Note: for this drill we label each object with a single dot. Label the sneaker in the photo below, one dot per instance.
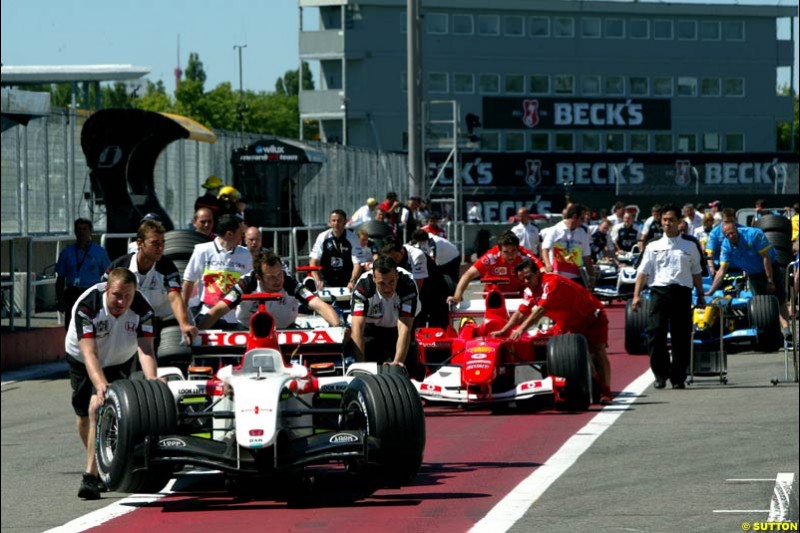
(100, 485)
(606, 398)
(660, 383)
(89, 489)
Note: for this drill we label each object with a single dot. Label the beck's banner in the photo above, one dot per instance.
(576, 113)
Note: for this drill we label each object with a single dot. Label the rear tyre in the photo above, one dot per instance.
(636, 327)
(170, 351)
(764, 316)
(388, 407)
(774, 223)
(133, 410)
(179, 243)
(568, 357)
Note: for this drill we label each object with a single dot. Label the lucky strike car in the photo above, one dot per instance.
(265, 417)
(470, 367)
(732, 312)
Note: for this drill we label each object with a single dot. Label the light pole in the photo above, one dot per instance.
(240, 109)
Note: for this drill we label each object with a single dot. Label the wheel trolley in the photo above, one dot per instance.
(707, 330)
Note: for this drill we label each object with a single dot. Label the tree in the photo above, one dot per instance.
(194, 70)
(288, 84)
(784, 133)
(155, 99)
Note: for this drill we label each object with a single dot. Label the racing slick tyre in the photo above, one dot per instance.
(764, 313)
(133, 410)
(172, 350)
(568, 357)
(636, 326)
(388, 407)
(774, 223)
(179, 243)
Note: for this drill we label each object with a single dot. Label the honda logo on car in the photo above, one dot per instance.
(343, 438)
(239, 338)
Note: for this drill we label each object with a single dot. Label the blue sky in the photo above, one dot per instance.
(145, 33)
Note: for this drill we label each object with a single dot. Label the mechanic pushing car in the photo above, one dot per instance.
(112, 322)
(573, 309)
(385, 302)
(497, 261)
(268, 276)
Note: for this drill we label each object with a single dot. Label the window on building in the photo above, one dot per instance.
(489, 83)
(539, 26)
(539, 142)
(590, 28)
(662, 86)
(463, 83)
(514, 26)
(615, 142)
(733, 87)
(710, 87)
(590, 85)
(686, 30)
(565, 142)
(539, 84)
(404, 81)
(640, 142)
(590, 141)
(403, 22)
(436, 23)
(734, 30)
(515, 84)
(687, 142)
(734, 142)
(710, 30)
(640, 86)
(462, 25)
(489, 25)
(783, 28)
(564, 84)
(437, 82)
(615, 86)
(687, 86)
(490, 141)
(711, 142)
(662, 142)
(563, 27)
(639, 28)
(615, 28)
(662, 29)
(515, 141)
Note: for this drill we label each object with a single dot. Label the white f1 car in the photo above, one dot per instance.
(264, 417)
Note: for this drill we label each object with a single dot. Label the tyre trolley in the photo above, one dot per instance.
(790, 364)
(707, 330)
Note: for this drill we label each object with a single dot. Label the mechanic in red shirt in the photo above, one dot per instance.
(498, 261)
(573, 309)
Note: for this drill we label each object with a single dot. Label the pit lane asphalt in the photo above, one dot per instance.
(662, 467)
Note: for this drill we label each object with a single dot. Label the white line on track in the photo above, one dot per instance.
(781, 496)
(517, 502)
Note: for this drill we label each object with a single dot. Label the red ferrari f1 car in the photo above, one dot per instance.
(468, 366)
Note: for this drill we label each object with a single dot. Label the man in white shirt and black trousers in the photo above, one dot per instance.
(671, 266)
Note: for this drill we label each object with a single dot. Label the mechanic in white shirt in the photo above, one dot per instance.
(566, 247)
(112, 323)
(384, 302)
(158, 279)
(445, 254)
(693, 219)
(671, 266)
(268, 275)
(527, 231)
(216, 266)
(365, 213)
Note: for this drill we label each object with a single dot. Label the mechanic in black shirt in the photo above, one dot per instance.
(627, 234)
(335, 251)
(385, 302)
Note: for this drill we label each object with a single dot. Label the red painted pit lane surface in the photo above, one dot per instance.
(472, 460)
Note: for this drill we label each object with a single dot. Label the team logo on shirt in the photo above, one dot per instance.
(101, 327)
(130, 327)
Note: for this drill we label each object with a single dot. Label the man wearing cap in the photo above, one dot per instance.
(716, 210)
(365, 213)
(209, 200)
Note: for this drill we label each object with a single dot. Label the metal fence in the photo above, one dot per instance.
(45, 181)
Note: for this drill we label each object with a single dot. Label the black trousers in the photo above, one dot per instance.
(670, 310)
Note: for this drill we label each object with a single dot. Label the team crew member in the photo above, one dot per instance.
(444, 253)
(158, 279)
(334, 251)
(365, 213)
(651, 229)
(573, 309)
(79, 267)
(500, 260)
(433, 226)
(268, 276)
(671, 266)
(367, 250)
(526, 231)
(216, 266)
(713, 245)
(601, 244)
(112, 323)
(209, 200)
(384, 303)
(749, 250)
(203, 222)
(627, 235)
(566, 246)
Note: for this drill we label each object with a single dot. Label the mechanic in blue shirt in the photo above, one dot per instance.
(749, 249)
(715, 238)
(79, 266)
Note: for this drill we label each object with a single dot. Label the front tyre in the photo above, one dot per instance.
(133, 410)
(568, 357)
